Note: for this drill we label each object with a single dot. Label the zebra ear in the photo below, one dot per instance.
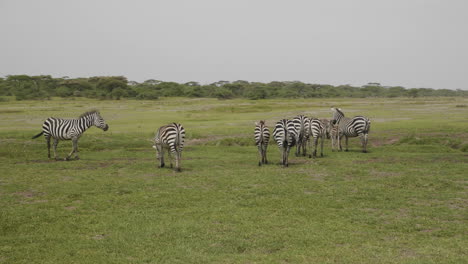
(256, 123)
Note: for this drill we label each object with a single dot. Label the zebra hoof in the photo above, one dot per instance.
(77, 158)
(310, 156)
(178, 170)
(364, 151)
(161, 165)
(259, 163)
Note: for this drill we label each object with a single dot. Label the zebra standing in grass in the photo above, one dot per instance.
(170, 137)
(301, 123)
(333, 132)
(318, 128)
(285, 135)
(351, 127)
(262, 136)
(70, 129)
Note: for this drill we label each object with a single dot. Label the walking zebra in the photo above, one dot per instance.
(285, 135)
(70, 129)
(351, 127)
(262, 136)
(301, 123)
(170, 137)
(318, 129)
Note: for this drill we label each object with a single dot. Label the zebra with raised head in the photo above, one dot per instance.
(351, 127)
(70, 129)
(262, 136)
(301, 123)
(170, 137)
(285, 135)
(318, 129)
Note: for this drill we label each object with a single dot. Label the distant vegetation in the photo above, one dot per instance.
(24, 87)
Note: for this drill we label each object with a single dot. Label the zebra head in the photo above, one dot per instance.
(98, 121)
(337, 115)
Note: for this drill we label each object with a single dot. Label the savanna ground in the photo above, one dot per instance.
(404, 202)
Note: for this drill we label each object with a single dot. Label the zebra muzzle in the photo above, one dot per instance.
(106, 128)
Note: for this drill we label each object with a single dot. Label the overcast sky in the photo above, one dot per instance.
(413, 43)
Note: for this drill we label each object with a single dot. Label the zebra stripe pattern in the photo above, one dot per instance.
(285, 135)
(301, 123)
(351, 127)
(70, 129)
(262, 136)
(318, 129)
(333, 132)
(170, 137)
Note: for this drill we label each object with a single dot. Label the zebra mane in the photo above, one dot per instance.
(89, 113)
(339, 111)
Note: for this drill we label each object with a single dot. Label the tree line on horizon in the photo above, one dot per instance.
(43, 87)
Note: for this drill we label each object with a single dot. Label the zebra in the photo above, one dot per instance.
(172, 137)
(351, 127)
(318, 128)
(301, 123)
(262, 136)
(70, 129)
(285, 135)
(333, 135)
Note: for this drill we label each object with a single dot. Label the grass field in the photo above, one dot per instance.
(403, 202)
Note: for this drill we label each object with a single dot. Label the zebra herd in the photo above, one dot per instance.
(287, 134)
(299, 131)
(170, 137)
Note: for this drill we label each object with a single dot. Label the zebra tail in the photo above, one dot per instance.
(38, 135)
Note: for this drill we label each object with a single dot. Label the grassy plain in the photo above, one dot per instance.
(404, 202)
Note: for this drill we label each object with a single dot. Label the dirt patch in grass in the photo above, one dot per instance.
(28, 194)
(384, 174)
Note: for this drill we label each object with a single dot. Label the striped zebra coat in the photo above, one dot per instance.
(171, 138)
(285, 135)
(358, 126)
(70, 129)
(262, 136)
(318, 129)
(301, 123)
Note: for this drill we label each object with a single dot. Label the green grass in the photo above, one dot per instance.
(404, 202)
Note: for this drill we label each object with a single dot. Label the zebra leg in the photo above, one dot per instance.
(48, 146)
(265, 161)
(298, 148)
(177, 160)
(321, 146)
(74, 144)
(310, 147)
(169, 154)
(304, 148)
(55, 148)
(364, 143)
(346, 138)
(314, 154)
(260, 153)
(288, 149)
(160, 155)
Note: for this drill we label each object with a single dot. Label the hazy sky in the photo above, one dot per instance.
(413, 43)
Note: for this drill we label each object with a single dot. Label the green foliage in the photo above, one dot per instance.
(116, 87)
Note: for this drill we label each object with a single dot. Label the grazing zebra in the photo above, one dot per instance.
(285, 135)
(262, 136)
(351, 127)
(318, 128)
(301, 123)
(170, 137)
(66, 129)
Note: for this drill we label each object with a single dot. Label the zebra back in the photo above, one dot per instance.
(350, 127)
(262, 133)
(301, 124)
(172, 135)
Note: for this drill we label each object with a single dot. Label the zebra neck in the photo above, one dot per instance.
(86, 122)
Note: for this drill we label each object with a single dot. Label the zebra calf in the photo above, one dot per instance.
(351, 127)
(285, 135)
(262, 136)
(318, 129)
(170, 137)
(333, 132)
(301, 123)
(70, 129)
